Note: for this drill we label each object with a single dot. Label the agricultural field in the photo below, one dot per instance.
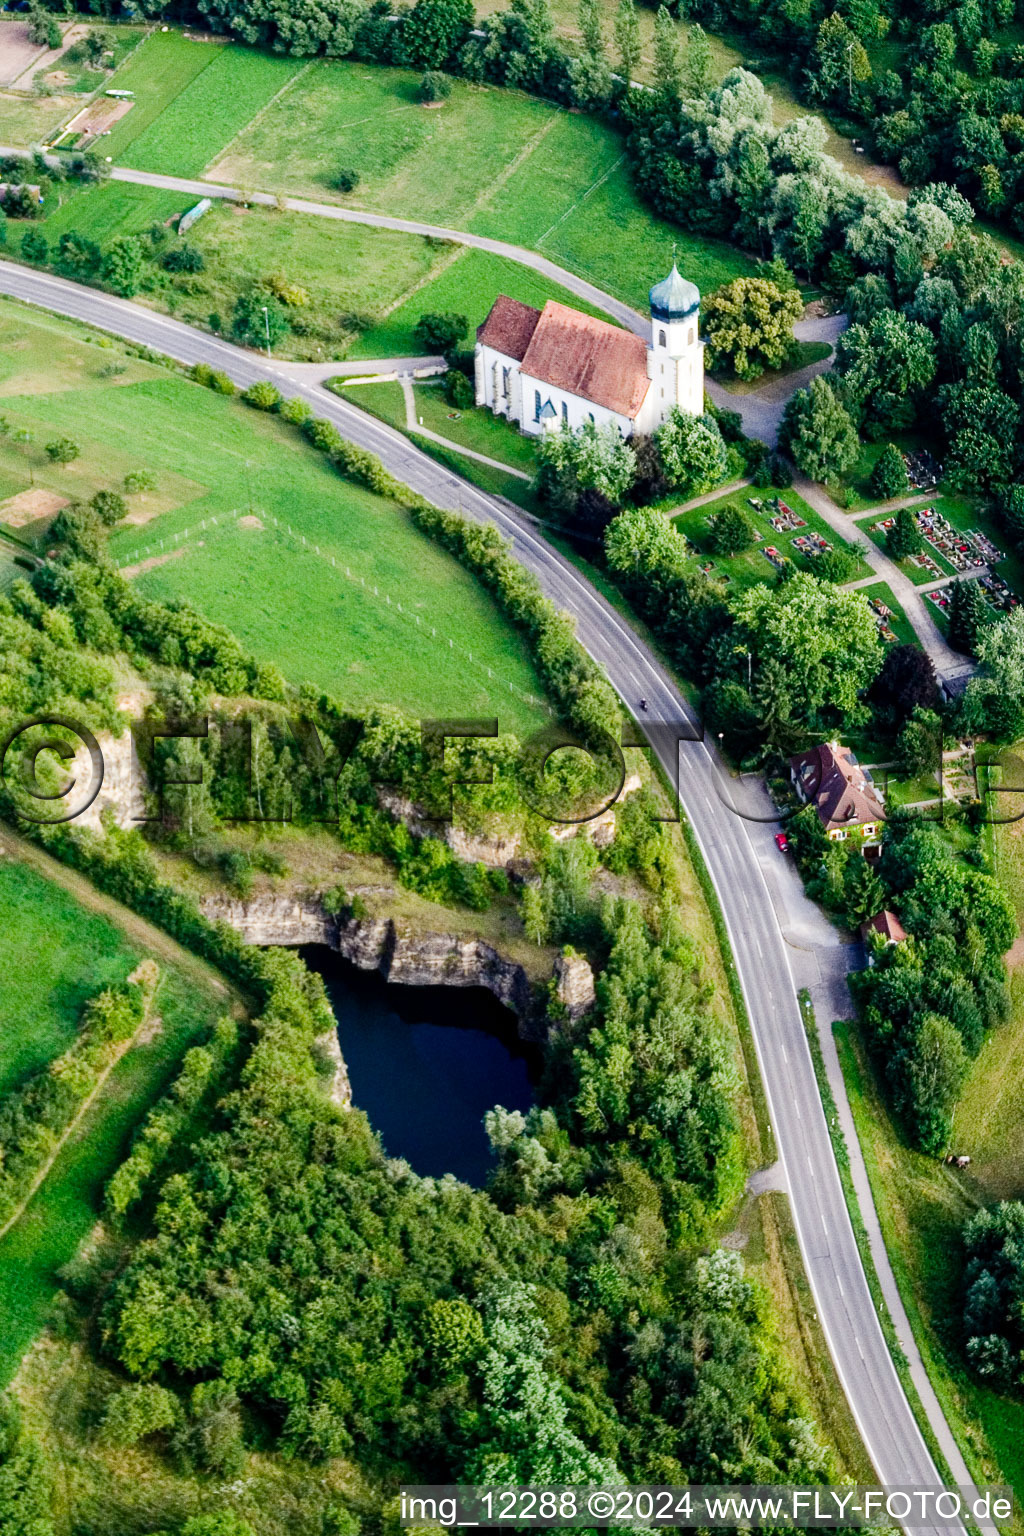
(59, 951)
(537, 175)
(215, 104)
(214, 458)
(158, 72)
(752, 565)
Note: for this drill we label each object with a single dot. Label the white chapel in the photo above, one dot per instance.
(545, 367)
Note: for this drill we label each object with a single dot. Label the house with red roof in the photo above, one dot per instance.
(844, 794)
(546, 368)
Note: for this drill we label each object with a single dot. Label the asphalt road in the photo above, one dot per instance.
(826, 1238)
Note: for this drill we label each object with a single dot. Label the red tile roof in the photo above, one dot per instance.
(831, 776)
(887, 924)
(588, 358)
(509, 327)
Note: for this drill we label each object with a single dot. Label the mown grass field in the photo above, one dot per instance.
(464, 282)
(58, 953)
(213, 457)
(493, 161)
(921, 1208)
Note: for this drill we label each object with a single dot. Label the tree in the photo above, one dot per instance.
(903, 539)
(692, 452)
(76, 257)
(932, 1067)
(838, 60)
(667, 72)
(591, 458)
(434, 31)
(109, 507)
(699, 61)
(919, 746)
(259, 319)
(62, 450)
(749, 325)
(641, 542)
(885, 367)
(731, 531)
(994, 701)
(993, 1292)
(440, 332)
(907, 680)
(817, 431)
(889, 476)
(968, 614)
(347, 179)
(826, 639)
(627, 40)
(123, 264)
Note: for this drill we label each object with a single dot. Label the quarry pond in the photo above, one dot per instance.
(427, 1063)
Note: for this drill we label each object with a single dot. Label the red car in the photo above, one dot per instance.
(782, 842)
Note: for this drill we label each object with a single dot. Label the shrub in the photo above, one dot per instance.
(263, 395)
(458, 389)
(137, 1411)
(435, 86)
(109, 507)
(347, 179)
(440, 332)
(184, 258)
(35, 247)
(139, 480)
(295, 411)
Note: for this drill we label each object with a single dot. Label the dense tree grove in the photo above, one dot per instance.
(993, 1294)
(543, 1331)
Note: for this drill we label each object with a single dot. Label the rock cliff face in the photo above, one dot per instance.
(381, 944)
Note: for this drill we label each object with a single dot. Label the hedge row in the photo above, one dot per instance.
(34, 1117)
(203, 1071)
(584, 696)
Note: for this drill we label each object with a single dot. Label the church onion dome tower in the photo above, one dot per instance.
(674, 298)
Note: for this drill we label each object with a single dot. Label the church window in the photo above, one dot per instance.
(689, 337)
(504, 382)
(592, 417)
(494, 382)
(661, 339)
(536, 405)
(565, 411)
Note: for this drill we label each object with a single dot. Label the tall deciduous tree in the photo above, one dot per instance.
(817, 431)
(749, 325)
(826, 639)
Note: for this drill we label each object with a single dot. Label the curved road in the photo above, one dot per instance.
(830, 1254)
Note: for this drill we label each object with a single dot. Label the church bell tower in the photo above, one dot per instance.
(675, 357)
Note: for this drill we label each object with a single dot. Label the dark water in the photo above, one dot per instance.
(426, 1063)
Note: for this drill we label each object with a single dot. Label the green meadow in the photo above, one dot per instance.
(250, 479)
